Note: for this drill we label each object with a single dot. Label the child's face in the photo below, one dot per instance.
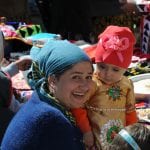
(109, 73)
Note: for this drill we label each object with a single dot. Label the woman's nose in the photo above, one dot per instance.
(84, 84)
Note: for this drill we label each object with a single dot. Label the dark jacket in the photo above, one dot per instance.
(39, 126)
(5, 99)
(5, 117)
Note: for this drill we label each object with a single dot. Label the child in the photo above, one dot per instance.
(112, 106)
(136, 136)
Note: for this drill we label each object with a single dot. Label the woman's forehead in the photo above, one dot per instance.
(82, 67)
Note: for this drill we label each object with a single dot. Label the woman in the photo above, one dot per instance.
(62, 77)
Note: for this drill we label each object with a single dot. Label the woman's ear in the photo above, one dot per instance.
(51, 84)
(51, 79)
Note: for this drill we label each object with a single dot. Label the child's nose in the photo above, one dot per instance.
(108, 73)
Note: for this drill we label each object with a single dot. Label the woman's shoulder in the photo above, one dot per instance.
(38, 118)
(40, 109)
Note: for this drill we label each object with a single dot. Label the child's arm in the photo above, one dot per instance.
(131, 116)
(83, 123)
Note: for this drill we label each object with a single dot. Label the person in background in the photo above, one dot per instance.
(132, 137)
(9, 70)
(113, 105)
(8, 104)
(5, 96)
(61, 83)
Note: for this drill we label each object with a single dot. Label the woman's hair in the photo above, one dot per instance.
(139, 133)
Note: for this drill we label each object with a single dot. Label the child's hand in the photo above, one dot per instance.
(23, 63)
(89, 140)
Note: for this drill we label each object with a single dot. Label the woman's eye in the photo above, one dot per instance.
(76, 77)
(89, 77)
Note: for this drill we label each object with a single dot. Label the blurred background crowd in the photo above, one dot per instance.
(73, 20)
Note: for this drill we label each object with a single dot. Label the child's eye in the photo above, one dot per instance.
(116, 70)
(101, 67)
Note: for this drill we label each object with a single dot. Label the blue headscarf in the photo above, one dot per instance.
(55, 57)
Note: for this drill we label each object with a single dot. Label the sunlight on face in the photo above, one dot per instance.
(72, 88)
(109, 73)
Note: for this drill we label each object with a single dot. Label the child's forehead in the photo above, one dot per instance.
(109, 65)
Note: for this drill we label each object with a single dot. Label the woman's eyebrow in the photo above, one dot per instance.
(78, 72)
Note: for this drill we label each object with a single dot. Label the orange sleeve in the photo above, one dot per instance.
(80, 115)
(131, 118)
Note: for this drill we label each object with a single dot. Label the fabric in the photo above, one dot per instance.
(90, 51)
(45, 95)
(15, 44)
(8, 31)
(109, 109)
(40, 39)
(55, 53)
(50, 60)
(11, 69)
(28, 30)
(82, 120)
(143, 8)
(38, 121)
(130, 118)
(115, 46)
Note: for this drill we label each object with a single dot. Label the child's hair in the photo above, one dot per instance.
(132, 137)
(115, 46)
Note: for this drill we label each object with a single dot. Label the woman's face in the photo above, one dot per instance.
(72, 88)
